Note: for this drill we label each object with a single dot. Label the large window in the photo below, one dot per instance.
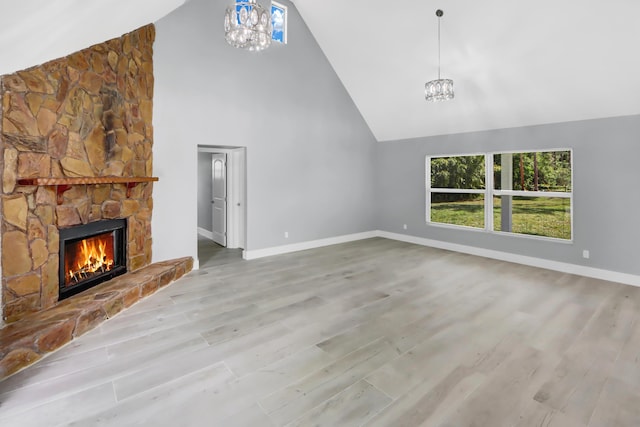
(527, 193)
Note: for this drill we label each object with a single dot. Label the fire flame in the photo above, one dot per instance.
(93, 258)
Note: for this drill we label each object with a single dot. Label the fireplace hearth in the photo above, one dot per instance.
(91, 254)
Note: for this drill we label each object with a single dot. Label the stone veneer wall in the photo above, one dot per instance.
(89, 114)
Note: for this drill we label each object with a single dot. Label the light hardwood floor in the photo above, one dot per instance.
(375, 332)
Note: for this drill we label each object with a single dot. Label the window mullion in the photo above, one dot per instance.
(562, 195)
(488, 196)
(457, 190)
(428, 194)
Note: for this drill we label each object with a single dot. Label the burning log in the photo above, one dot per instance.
(92, 259)
(89, 271)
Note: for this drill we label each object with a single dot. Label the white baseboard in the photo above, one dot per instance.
(294, 247)
(205, 233)
(596, 273)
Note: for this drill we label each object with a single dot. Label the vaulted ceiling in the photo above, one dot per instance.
(36, 31)
(514, 63)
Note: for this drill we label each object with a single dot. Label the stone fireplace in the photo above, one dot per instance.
(76, 139)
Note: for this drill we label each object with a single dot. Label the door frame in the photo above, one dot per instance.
(236, 192)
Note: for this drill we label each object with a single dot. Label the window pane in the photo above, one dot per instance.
(278, 19)
(462, 172)
(458, 209)
(537, 171)
(538, 216)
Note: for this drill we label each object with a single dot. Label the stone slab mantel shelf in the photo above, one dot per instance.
(63, 184)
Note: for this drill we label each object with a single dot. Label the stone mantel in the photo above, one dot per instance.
(87, 180)
(63, 184)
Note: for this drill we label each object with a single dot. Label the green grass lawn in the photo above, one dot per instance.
(549, 217)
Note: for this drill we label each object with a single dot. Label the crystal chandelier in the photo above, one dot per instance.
(440, 89)
(247, 25)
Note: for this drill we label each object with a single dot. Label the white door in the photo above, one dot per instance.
(219, 198)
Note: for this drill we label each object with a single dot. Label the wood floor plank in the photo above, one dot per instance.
(49, 369)
(627, 366)
(251, 416)
(31, 395)
(62, 411)
(558, 331)
(291, 402)
(505, 395)
(576, 373)
(537, 415)
(278, 375)
(158, 406)
(588, 363)
(617, 406)
(428, 404)
(353, 406)
(475, 343)
(159, 372)
(238, 328)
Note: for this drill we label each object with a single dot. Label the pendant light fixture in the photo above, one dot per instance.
(440, 89)
(247, 25)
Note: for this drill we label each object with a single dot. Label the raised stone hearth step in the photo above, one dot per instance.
(27, 340)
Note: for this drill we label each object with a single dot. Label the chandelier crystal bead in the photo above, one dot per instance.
(247, 25)
(440, 89)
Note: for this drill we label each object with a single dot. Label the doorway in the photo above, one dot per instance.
(221, 202)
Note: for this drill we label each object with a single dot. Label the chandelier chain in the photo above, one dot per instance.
(438, 48)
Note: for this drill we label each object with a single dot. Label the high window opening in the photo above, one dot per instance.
(278, 22)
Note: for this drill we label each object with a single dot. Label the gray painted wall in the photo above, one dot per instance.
(205, 209)
(312, 160)
(310, 155)
(606, 196)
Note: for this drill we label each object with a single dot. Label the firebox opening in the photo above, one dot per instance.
(91, 254)
(88, 257)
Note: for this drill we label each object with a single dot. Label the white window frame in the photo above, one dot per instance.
(285, 29)
(431, 190)
(490, 192)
